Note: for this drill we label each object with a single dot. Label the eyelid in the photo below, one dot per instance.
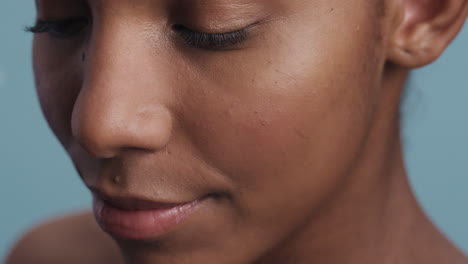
(182, 28)
(220, 29)
(210, 41)
(226, 40)
(75, 24)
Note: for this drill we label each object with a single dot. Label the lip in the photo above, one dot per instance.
(136, 219)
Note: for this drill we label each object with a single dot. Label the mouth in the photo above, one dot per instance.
(137, 219)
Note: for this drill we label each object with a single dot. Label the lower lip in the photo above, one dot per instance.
(140, 224)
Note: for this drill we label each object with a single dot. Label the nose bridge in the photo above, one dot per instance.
(123, 102)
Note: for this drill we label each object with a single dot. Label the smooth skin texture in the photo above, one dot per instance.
(295, 129)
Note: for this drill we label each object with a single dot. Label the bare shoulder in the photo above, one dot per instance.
(70, 239)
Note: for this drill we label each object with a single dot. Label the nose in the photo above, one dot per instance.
(124, 100)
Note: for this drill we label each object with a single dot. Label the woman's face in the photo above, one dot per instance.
(258, 125)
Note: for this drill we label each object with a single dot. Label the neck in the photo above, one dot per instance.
(374, 217)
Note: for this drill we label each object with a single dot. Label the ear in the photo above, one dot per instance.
(424, 30)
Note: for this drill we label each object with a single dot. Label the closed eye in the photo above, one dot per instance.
(211, 41)
(64, 28)
(67, 28)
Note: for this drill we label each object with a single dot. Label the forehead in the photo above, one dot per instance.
(207, 4)
(217, 13)
(193, 10)
(279, 6)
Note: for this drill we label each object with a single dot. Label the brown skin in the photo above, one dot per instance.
(72, 239)
(296, 129)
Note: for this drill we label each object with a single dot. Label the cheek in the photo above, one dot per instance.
(281, 136)
(286, 123)
(58, 81)
(290, 120)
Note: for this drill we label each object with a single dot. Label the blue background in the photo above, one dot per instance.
(38, 181)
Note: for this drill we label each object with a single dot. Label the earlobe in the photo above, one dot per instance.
(426, 29)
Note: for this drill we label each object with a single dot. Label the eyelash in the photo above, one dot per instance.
(211, 41)
(62, 29)
(67, 28)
